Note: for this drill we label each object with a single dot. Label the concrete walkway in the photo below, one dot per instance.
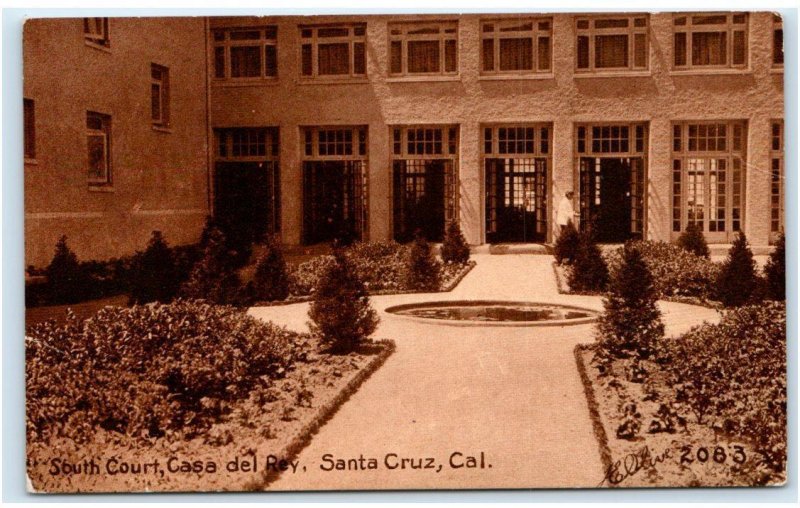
(513, 394)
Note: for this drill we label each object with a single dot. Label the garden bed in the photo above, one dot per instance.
(274, 416)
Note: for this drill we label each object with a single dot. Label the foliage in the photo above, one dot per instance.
(631, 322)
(422, 271)
(341, 313)
(692, 240)
(737, 281)
(379, 265)
(589, 271)
(148, 370)
(567, 244)
(271, 279)
(455, 249)
(675, 271)
(732, 375)
(304, 278)
(213, 277)
(153, 277)
(68, 281)
(775, 270)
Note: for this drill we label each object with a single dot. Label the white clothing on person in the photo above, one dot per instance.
(565, 212)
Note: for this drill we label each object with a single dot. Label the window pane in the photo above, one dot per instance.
(307, 63)
(97, 160)
(450, 56)
(516, 54)
(397, 57)
(334, 58)
(29, 129)
(611, 23)
(219, 62)
(544, 53)
(155, 101)
(680, 49)
(709, 48)
(777, 46)
(640, 50)
(270, 61)
(709, 20)
(739, 50)
(423, 56)
(359, 60)
(583, 52)
(333, 32)
(245, 35)
(245, 61)
(611, 51)
(488, 54)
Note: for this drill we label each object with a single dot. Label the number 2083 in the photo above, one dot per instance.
(713, 454)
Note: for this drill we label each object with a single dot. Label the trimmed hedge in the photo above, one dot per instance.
(148, 370)
(455, 249)
(737, 282)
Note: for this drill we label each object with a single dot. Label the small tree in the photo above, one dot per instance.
(737, 280)
(589, 270)
(454, 247)
(693, 240)
(212, 277)
(775, 270)
(67, 280)
(567, 243)
(422, 271)
(631, 322)
(271, 279)
(341, 313)
(153, 275)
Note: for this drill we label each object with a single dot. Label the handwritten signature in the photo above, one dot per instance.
(632, 463)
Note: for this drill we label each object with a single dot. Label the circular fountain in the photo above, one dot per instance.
(494, 313)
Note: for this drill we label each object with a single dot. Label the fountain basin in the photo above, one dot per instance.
(494, 313)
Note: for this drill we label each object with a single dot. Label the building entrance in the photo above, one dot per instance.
(611, 197)
(516, 200)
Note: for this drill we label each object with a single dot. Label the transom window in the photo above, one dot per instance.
(333, 51)
(516, 46)
(708, 177)
(612, 43)
(245, 52)
(334, 142)
(245, 142)
(159, 95)
(710, 40)
(512, 140)
(611, 138)
(777, 178)
(423, 48)
(425, 141)
(98, 143)
(777, 40)
(95, 31)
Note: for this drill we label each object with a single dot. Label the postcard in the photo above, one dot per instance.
(404, 251)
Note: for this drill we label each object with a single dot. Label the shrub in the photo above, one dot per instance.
(271, 280)
(454, 247)
(775, 270)
(67, 280)
(153, 275)
(148, 370)
(589, 271)
(675, 272)
(379, 265)
(692, 240)
(212, 277)
(341, 313)
(567, 243)
(732, 375)
(422, 272)
(631, 322)
(737, 281)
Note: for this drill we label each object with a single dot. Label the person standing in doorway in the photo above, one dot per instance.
(565, 212)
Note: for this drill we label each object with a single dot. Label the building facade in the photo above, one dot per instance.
(115, 134)
(381, 125)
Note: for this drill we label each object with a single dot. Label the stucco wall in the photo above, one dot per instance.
(659, 97)
(159, 178)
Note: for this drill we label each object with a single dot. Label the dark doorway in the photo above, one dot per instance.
(246, 201)
(611, 198)
(420, 197)
(516, 200)
(333, 193)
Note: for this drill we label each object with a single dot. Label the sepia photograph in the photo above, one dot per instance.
(337, 252)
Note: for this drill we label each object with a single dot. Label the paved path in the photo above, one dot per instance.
(512, 393)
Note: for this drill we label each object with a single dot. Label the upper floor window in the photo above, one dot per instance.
(333, 51)
(607, 43)
(159, 95)
(710, 41)
(29, 131)
(423, 48)
(777, 40)
(98, 142)
(246, 53)
(516, 46)
(95, 31)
